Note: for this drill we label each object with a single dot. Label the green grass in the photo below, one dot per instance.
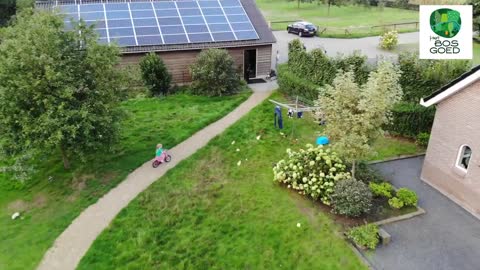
(48, 207)
(388, 147)
(339, 17)
(210, 213)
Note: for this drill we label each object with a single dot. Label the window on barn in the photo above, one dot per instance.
(464, 157)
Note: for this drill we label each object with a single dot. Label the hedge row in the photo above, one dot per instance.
(292, 85)
(410, 119)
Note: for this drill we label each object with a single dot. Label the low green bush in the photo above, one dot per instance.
(313, 172)
(407, 196)
(365, 236)
(389, 40)
(383, 189)
(351, 198)
(395, 203)
(422, 139)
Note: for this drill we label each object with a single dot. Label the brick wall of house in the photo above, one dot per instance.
(457, 123)
(178, 62)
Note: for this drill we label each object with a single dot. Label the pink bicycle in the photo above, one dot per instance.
(164, 157)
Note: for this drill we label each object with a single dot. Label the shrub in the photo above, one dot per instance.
(389, 40)
(214, 74)
(422, 139)
(294, 86)
(407, 196)
(365, 236)
(351, 198)
(409, 119)
(395, 203)
(313, 172)
(155, 74)
(383, 189)
(366, 174)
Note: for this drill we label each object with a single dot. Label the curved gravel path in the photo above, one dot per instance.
(74, 242)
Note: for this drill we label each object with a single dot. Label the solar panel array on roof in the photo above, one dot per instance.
(164, 22)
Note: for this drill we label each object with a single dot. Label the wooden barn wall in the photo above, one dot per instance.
(178, 62)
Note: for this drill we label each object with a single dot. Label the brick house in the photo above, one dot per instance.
(177, 30)
(452, 162)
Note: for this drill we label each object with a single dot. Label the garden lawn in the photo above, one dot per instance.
(339, 17)
(55, 196)
(220, 209)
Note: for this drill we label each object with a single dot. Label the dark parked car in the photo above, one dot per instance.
(303, 29)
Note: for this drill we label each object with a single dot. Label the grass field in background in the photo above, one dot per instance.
(339, 17)
(57, 196)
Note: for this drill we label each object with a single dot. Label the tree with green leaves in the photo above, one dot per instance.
(155, 74)
(59, 90)
(214, 74)
(355, 114)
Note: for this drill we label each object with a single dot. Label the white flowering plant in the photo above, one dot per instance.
(313, 172)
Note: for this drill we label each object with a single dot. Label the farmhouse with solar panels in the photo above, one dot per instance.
(177, 30)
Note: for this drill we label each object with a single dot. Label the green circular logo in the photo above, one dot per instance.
(445, 22)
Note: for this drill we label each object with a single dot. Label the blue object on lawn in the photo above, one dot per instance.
(323, 140)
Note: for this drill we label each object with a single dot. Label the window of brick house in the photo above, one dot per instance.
(464, 157)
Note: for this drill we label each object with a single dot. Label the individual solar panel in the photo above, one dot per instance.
(193, 20)
(242, 26)
(246, 34)
(219, 27)
(196, 28)
(173, 29)
(124, 41)
(92, 16)
(175, 39)
(212, 11)
(143, 14)
(120, 32)
(203, 37)
(216, 19)
(145, 22)
(190, 12)
(91, 8)
(139, 22)
(166, 13)
(237, 18)
(149, 40)
(223, 36)
(169, 21)
(186, 4)
(147, 31)
(205, 4)
(120, 23)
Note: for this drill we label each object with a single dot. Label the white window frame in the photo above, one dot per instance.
(460, 155)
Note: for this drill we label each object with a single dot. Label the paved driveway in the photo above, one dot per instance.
(333, 46)
(446, 237)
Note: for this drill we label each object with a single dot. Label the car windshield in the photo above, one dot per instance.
(310, 27)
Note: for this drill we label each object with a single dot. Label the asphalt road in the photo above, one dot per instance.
(334, 46)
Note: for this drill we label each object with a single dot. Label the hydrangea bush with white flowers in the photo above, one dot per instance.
(313, 172)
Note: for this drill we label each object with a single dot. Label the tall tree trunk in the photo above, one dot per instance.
(66, 162)
(353, 169)
(328, 12)
(298, 4)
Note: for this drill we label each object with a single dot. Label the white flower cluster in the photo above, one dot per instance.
(312, 172)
